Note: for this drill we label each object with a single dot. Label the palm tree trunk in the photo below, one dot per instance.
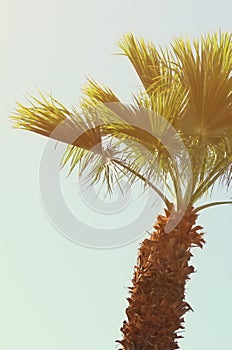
(157, 298)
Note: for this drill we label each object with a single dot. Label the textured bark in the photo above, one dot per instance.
(157, 298)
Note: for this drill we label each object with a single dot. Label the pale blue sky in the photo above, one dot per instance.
(54, 294)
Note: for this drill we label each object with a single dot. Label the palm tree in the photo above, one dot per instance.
(189, 85)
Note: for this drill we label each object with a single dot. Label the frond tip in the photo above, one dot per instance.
(50, 118)
(95, 94)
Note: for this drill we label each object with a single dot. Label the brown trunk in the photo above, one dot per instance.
(157, 298)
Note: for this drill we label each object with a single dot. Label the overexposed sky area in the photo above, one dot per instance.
(55, 294)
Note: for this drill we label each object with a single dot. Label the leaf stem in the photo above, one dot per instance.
(141, 177)
(210, 205)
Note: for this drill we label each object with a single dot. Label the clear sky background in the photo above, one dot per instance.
(55, 294)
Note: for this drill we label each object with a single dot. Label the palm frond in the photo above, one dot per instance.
(48, 117)
(187, 87)
(144, 57)
(204, 67)
(159, 75)
(95, 94)
(215, 166)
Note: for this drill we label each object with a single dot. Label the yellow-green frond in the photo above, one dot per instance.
(205, 70)
(144, 57)
(48, 117)
(188, 85)
(95, 94)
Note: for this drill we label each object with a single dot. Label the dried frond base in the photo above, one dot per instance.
(157, 298)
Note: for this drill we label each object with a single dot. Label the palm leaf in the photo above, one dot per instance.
(50, 118)
(188, 85)
(205, 69)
